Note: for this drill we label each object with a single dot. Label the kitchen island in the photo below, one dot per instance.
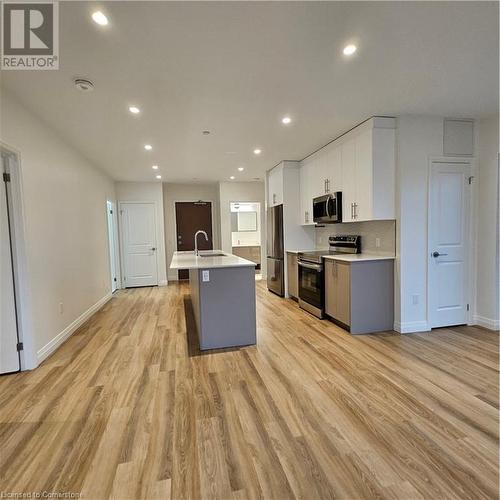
(222, 295)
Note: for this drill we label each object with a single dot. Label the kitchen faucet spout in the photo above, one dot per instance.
(196, 251)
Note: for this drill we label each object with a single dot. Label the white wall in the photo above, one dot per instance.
(152, 192)
(487, 252)
(241, 191)
(66, 240)
(173, 192)
(418, 138)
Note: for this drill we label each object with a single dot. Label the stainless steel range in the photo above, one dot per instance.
(311, 272)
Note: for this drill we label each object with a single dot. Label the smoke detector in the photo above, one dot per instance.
(84, 85)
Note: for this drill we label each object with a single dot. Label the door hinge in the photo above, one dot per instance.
(20, 346)
(6, 177)
(468, 307)
(471, 179)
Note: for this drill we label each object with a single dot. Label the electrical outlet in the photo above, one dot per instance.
(377, 242)
(414, 299)
(61, 307)
(205, 276)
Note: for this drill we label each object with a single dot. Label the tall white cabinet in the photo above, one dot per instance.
(361, 164)
(283, 184)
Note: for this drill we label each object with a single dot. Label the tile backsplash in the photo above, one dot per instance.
(385, 230)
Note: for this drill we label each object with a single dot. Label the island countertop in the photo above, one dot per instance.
(208, 259)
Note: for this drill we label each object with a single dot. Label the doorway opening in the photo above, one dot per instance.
(114, 263)
(246, 232)
(192, 216)
(10, 345)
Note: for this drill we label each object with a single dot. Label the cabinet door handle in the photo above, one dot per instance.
(355, 210)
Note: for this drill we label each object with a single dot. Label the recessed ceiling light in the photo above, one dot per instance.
(100, 18)
(232, 177)
(158, 176)
(349, 50)
(286, 120)
(257, 151)
(134, 109)
(155, 167)
(241, 169)
(148, 147)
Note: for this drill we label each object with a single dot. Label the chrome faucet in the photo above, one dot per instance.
(196, 251)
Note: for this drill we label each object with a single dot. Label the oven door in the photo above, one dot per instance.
(311, 288)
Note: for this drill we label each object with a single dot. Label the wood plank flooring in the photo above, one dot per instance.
(129, 408)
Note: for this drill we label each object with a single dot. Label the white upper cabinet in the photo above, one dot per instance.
(360, 164)
(306, 196)
(275, 186)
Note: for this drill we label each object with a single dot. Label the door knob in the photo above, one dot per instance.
(437, 254)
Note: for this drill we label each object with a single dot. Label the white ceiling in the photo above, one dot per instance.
(235, 68)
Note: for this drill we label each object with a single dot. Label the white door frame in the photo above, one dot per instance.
(116, 245)
(122, 243)
(21, 277)
(470, 247)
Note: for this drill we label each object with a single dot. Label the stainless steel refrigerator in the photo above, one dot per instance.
(275, 251)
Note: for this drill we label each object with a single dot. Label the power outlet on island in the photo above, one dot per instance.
(205, 276)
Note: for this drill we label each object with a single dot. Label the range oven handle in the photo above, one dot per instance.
(316, 267)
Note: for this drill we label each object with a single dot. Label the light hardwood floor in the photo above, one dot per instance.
(129, 408)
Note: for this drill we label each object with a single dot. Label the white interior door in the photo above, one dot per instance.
(449, 208)
(9, 357)
(138, 222)
(112, 245)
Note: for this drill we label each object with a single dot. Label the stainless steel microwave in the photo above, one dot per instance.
(328, 208)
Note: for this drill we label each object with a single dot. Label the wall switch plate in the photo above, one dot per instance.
(377, 242)
(61, 307)
(205, 276)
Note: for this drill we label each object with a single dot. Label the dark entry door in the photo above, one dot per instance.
(191, 217)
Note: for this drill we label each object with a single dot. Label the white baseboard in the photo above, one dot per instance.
(489, 323)
(411, 327)
(49, 348)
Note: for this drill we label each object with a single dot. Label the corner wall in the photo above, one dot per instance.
(65, 224)
(487, 306)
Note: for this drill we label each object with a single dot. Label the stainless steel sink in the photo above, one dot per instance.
(212, 255)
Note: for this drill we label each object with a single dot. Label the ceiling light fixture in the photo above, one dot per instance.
(257, 151)
(100, 18)
(241, 169)
(286, 120)
(158, 176)
(349, 50)
(148, 147)
(155, 167)
(232, 177)
(134, 110)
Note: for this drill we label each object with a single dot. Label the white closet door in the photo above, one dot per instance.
(139, 244)
(9, 358)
